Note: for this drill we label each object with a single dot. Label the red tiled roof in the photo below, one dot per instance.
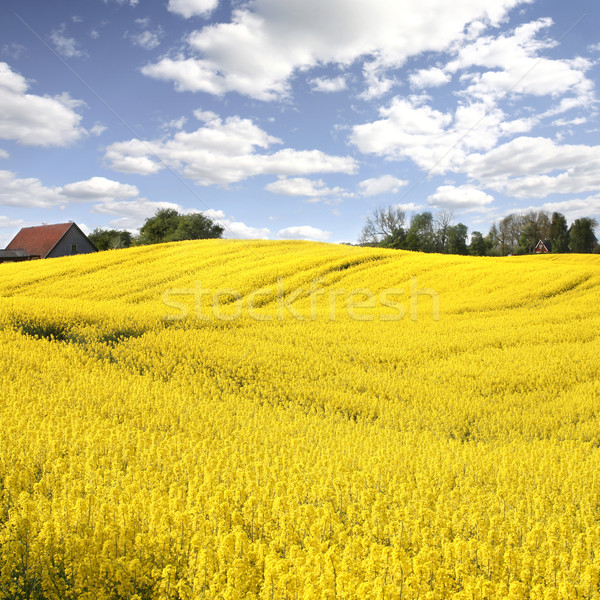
(39, 241)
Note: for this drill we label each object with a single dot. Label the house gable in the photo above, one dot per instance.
(48, 241)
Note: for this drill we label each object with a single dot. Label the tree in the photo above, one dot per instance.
(559, 233)
(167, 225)
(534, 226)
(457, 239)
(492, 240)
(443, 222)
(196, 226)
(110, 239)
(582, 235)
(385, 224)
(158, 228)
(421, 235)
(479, 246)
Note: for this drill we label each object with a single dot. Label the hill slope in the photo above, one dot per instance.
(229, 419)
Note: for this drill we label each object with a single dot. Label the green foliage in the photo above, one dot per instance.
(167, 225)
(110, 239)
(421, 235)
(479, 245)
(582, 235)
(559, 233)
(457, 239)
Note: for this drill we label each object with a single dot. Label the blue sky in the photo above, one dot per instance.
(296, 118)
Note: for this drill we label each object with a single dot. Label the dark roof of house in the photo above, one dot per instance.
(39, 241)
(15, 253)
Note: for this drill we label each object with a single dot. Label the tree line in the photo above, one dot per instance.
(167, 225)
(514, 234)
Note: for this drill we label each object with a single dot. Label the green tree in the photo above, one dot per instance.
(167, 225)
(457, 239)
(478, 246)
(110, 239)
(421, 235)
(559, 233)
(196, 226)
(535, 226)
(582, 235)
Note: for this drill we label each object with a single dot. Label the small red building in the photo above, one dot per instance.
(47, 241)
(541, 247)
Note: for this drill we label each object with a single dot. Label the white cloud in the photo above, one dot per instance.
(192, 8)
(35, 120)
(434, 140)
(304, 232)
(528, 167)
(386, 184)
(27, 193)
(323, 84)
(266, 41)
(32, 193)
(175, 123)
(236, 229)
(222, 152)
(572, 209)
(4, 153)
(66, 46)
(569, 122)
(131, 213)
(13, 50)
(303, 187)
(517, 64)
(148, 40)
(121, 2)
(406, 206)
(464, 197)
(98, 129)
(99, 187)
(426, 78)
(6, 223)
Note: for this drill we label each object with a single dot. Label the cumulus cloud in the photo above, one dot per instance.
(572, 209)
(121, 2)
(516, 64)
(99, 187)
(386, 184)
(98, 129)
(304, 232)
(7, 223)
(236, 229)
(131, 213)
(328, 85)
(4, 153)
(222, 152)
(464, 197)
(528, 167)
(427, 78)
(148, 40)
(27, 193)
(303, 187)
(434, 140)
(192, 8)
(66, 46)
(267, 41)
(32, 193)
(35, 120)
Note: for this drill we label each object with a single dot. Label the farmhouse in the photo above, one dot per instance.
(47, 241)
(542, 247)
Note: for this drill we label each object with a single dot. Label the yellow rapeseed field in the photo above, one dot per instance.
(289, 420)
